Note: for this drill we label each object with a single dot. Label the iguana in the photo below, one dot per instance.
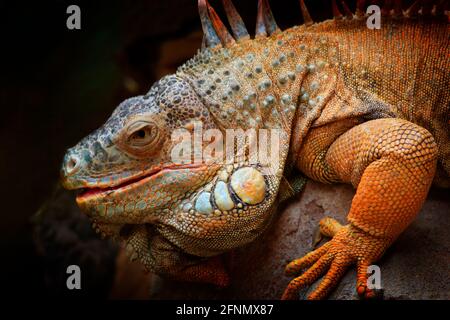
(368, 107)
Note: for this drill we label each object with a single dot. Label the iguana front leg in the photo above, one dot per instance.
(391, 162)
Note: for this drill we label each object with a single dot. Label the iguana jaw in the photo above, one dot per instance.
(141, 199)
(102, 190)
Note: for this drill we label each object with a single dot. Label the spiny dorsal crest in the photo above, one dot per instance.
(216, 34)
(234, 74)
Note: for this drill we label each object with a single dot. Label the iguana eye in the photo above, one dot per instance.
(141, 137)
(142, 134)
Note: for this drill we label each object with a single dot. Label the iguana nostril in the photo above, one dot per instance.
(72, 165)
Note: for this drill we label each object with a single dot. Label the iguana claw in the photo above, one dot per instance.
(327, 227)
(349, 246)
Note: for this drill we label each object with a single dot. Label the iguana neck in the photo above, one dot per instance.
(261, 83)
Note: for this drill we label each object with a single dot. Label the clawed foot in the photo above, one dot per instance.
(349, 245)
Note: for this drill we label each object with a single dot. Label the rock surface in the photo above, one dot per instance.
(417, 266)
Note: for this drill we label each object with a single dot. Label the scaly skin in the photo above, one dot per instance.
(365, 107)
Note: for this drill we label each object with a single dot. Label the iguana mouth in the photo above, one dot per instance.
(89, 192)
(100, 191)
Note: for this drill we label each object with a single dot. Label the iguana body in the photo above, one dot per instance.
(353, 105)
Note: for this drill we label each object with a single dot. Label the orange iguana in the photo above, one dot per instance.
(368, 107)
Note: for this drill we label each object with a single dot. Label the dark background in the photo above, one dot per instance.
(57, 85)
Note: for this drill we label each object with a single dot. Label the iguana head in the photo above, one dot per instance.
(125, 170)
(129, 175)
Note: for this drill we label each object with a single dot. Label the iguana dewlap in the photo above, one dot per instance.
(370, 107)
